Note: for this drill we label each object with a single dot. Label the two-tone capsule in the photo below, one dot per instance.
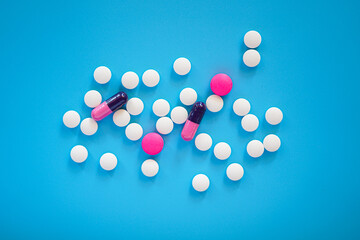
(109, 106)
(193, 121)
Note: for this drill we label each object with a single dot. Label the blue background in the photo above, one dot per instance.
(309, 68)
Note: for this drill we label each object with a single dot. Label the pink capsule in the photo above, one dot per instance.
(193, 121)
(109, 106)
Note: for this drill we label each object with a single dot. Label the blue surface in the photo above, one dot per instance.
(309, 68)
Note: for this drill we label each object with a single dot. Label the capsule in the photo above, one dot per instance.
(109, 106)
(193, 121)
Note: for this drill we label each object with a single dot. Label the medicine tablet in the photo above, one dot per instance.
(241, 107)
(79, 153)
(221, 84)
(201, 182)
(214, 103)
(102, 75)
(150, 168)
(250, 122)
(134, 131)
(252, 39)
(164, 125)
(272, 143)
(203, 142)
(255, 148)
(130, 80)
(121, 118)
(188, 96)
(161, 107)
(92, 98)
(135, 106)
(88, 126)
(108, 161)
(179, 115)
(274, 116)
(222, 151)
(234, 172)
(182, 66)
(71, 119)
(251, 58)
(151, 78)
(152, 143)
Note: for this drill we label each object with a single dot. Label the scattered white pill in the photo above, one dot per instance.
(235, 172)
(201, 182)
(79, 153)
(274, 116)
(102, 75)
(179, 115)
(241, 107)
(203, 142)
(255, 148)
(161, 107)
(182, 66)
(251, 58)
(214, 103)
(164, 125)
(121, 118)
(151, 78)
(150, 168)
(252, 39)
(134, 131)
(130, 80)
(222, 151)
(71, 119)
(108, 161)
(272, 143)
(135, 106)
(188, 96)
(88, 126)
(250, 122)
(92, 98)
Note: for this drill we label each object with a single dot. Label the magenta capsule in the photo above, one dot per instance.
(193, 121)
(109, 106)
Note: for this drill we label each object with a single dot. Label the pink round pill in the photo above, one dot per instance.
(152, 143)
(221, 84)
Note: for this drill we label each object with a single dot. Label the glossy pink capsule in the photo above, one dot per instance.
(109, 106)
(192, 123)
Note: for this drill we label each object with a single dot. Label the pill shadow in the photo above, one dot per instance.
(148, 91)
(76, 167)
(201, 155)
(97, 86)
(176, 77)
(197, 195)
(232, 185)
(146, 180)
(245, 70)
(106, 174)
(218, 162)
(66, 132)
(268, 128)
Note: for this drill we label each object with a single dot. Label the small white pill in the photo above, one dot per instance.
(150, 168)
(121, 118)
(135, 106)
(161, 107)
(274, 116)
(241, 107)
(92, 98)
(222, 151)
(88, 126)
(235, 172)
(108, 161)
(252, 39)
(182, 66)
(102, 75)
(188, 96)
(251, 58)
(164, 125)
(179, 115)
(250, 122)
(151, 78)
(71, 119)
(272, 143)
(201, 182)
(79, 153)
(134, 131)
(130, 80)
(203, 142)
(255, 148)
(214, 103)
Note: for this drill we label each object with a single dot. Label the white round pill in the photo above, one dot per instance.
(252, 39)
(203, 142)
(235, 172)
(214, 103)
(151, 78)
(251, 58)
(188, 96)
(71, 119)
(161, 107)
(222, 151)
(134, 131)
(201, 182)
(92, 98)
(255, 148)
(88, 126)
(179, 115)
(241, 107)
(274, 116)
(135, 106)
(130, 80)
(164, 125)
(250, 122)
(79, 153)
(102, 75)
(150, 168)
(272, 143)
(121, 118)
(182, 66)
(108, 161)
